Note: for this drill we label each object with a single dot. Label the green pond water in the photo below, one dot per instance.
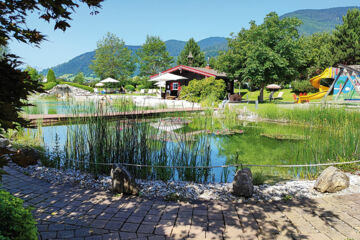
(257, 143)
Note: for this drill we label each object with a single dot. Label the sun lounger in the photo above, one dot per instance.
(279, 96)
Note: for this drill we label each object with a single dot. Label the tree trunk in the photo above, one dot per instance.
(261, 96)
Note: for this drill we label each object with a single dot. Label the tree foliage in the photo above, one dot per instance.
(51, 76)
(264, 54)
(79, 78)
(346, 41)
(15, 86)
(113, 59)
(316, 54)
(198, 56)
(13, 16)
(153, 56)
(34, 74)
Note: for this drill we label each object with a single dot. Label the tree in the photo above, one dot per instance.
(16, 84)
(317, 54)
(113, 59)
(198, 56)
(51, 76)
(264, 54)
(79, 78)
(153, 56)
(34, 74)
(346, 41)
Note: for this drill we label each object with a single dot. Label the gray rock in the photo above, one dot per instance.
(243, 183)
(4, 142)
(332, 180)
(122, 181)
(26, 157)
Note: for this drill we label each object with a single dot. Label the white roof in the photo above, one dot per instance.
(167, 77)
(109, 80)
(99, 84)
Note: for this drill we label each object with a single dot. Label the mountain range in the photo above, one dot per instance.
(319, 20)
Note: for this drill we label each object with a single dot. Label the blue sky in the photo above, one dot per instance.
(132, 20)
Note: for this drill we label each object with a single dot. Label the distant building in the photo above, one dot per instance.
(173, 88)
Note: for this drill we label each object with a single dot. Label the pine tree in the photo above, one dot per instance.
(192, 50)
(51, 76)
(346, 41)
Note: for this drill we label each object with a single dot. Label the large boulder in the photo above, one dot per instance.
(332, 180)
(25, 157)
(122, 181)
(4, 142)
(243, 183)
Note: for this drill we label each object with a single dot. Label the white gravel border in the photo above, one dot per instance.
(187, 190)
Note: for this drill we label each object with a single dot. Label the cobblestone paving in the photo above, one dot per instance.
(65, 212)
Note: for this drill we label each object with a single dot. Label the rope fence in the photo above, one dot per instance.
(223, 166)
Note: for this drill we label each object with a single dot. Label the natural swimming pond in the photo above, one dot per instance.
(179, 146)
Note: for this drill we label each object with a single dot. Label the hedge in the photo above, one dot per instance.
(84, 87)
(303, 86)
(49, 85)
(16, 222)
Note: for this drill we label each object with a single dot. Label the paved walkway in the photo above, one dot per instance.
(68, 212)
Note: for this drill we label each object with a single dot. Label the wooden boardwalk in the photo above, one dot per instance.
(48, 119)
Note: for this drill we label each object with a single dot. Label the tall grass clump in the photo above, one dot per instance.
(94, 143)
(332, 134)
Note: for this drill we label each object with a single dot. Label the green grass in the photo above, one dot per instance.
(287, 96)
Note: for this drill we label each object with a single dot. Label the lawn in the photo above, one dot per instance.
(252, 96)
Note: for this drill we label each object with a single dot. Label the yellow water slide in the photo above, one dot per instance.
(315, 81)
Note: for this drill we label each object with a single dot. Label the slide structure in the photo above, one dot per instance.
(315, 81)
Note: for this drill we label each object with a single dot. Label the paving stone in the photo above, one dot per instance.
(48, 235)
(134, 219)
(146, 228)
(83, 232)
(98, 223)
(65, 234)
(130, 227)
(113, 225)
(111, 236)
(127, 235)
(56, 227)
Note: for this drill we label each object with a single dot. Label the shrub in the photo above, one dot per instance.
(84, 87)
(49, 85)
(259, 178)
(16, 222)
(199, 90)
(129, 88)
(302, 86)
(139, 87)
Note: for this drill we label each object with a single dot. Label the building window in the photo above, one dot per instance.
(175, 86)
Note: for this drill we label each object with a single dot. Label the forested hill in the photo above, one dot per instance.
(211, 46)
(319, 20)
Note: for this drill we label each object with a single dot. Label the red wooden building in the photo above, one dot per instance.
(173, 88)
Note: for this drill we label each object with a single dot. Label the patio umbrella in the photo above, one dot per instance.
(160, 84)
(99, 84)
(109, 80)
(273, 87)
(167, 77)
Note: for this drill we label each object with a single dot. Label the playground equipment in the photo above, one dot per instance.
(346, 84)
